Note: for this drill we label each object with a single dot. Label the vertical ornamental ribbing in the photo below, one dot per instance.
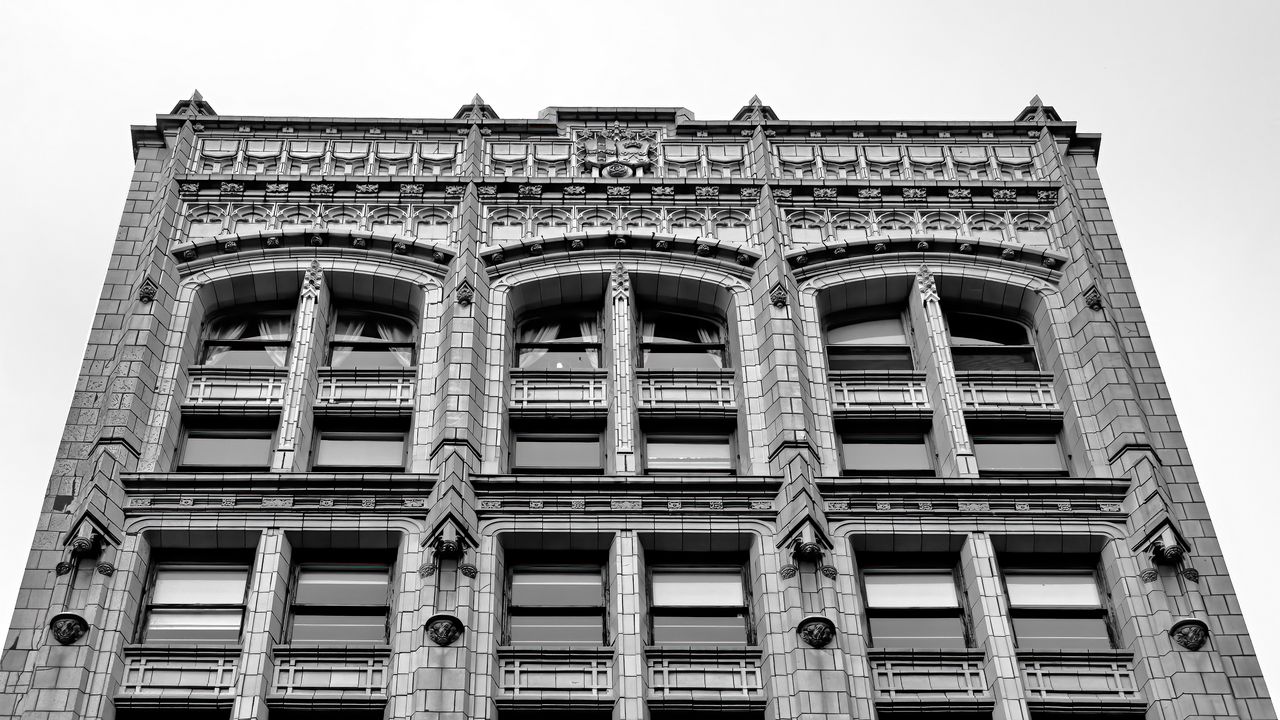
(300, 381)
(957, 458)
(621, 308)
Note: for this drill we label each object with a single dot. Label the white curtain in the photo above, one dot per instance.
(536, 333)
(275, 327)
(708, 333)
(588, 329)
(350, 329)
(397, 332)
(232, 329)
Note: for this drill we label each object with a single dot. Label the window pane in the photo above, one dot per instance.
(352, 357)
(223, 450)
(909, 454)
(553, 589)
(689, 360)
(358, 450)
(691, 630)
(689, 454)
(887, 331)
(698, 589)
(1053, 590)
(339, 629)
(222, 586)
(182, 625)
(343, 586)
(355, 326)
(1032, 454)
(917, 632)
(554, 453)
(548, 359)
(677, 328)
(993, 359)
(851, 358)
(245, 355)
(549, 629)
(976, 330)
(911, 589)
(1086, 633)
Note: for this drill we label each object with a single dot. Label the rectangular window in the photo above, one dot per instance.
(348, 450)
(195, 603)
(227, 448)
(899, 455)
(673, 454)
(698, 606)
(557, 453)
(340, 604)
(1059, 610)
(551, 605)
(914, 609)
(1019, 455)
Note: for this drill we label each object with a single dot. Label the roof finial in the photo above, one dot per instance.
(1037, 112)
(755, 111)
(195, 105)
(475, 111)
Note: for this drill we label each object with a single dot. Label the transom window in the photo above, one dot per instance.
(983, 342)
(877, 343)
(698, 606)
(363, 445)
(195, 603)
(914, 609)
(367, 340)
(556, 604)
(557, 453)
(677, 341)
(564, 341)
(1057, 610)
(872, 454)
(340, 604)
(251, 339)
(688, 453)
(243, 445)
(1019, 455)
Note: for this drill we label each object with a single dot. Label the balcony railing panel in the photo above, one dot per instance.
(370, 388)
(535, 391)
(878, 391)
(1007, 391)
(722, 675)
(346, 673)
(561, 674)
(1080, 680)
(934, 676)
(686, 391)
(216, 386)
(178, 674)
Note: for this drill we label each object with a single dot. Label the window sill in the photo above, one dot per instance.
(698, 653)
(327, 652)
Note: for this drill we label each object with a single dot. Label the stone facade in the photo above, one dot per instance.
(776, 228)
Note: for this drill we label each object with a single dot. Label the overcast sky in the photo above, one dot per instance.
(1184, 94)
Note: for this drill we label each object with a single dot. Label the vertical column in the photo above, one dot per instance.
(263, 625)
(116, 617)
(622, 399)
(302, 380)
(631, 676)
(955, 449)
(406, 625)
(992, 627)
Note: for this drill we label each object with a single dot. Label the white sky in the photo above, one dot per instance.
(1185, 95)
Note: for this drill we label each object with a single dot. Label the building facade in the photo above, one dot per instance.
(616, 413)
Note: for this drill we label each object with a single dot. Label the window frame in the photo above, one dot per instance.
(295, 575)
(926, 442)
(984, 437)
(847, 318)
(332, 428)
(717, 349)
(226, 430)
(690, 567)
(217, 317)
(583, 434)
(1066, 567)
(729, 436)
(513, 610)
(564, 315)
(332, 344)
(921, 566)
(1026, 348)
(148, 604)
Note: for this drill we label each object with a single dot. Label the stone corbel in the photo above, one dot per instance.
(1165, 548)
(807, 547)
(449, 543)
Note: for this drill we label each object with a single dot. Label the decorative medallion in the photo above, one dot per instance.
(1191, 574)
(277, 502)
(836, 505)
(468, 570)
(761, 504)
(415, 502)
(618, 192)
(880, 247)
(959, 194)
(490, 504)
(715, 504)
(576, 244)
(464, 293)
(829, 571)
(186, 502)
(106, 568)
(400, 248)
(825, 194)
(706, 192)
(662, 244)
(530, 191)
(1049, 262)
(68, 627)
(413, 189)
(1022, 506)
(231, 187)
(497, 257)
(367, 188)
(786, 572)
(577, 504)
(616, 151)
(966, 248)
(1149, 575)
(537, 505)
(869, 193)
(1111, 507)
(487, 191)
(575, 190)
(1064, 507)
(1004, 194)
(427, 569)
(147, 290)
(312, 279)
(1190, 633)
(189, 187)
(665, 191)
(1008, 254)
(277, 188)
(63, 568)
(914, 193)
(974, 507)
(454, 190)
(883, 506)
(782, 193)
(1093, 298)
(444, 629)
(1047, 195)
(816, 631)
(704, 250)
(922, 245)
(749, 193)
(368, 503)
(624, 504)
(674, 505)
(778, 295)
(924, 506)
(321, 188)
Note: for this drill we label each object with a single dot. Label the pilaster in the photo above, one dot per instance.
(263, 624)
(302, 380)
(626, 563)
(933, 345)
(993, 627)
(622, 312)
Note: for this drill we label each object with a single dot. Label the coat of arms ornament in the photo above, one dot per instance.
(616, 151)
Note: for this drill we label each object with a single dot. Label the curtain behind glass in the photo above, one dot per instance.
(350, 329)
(536, 332)
(275, 327)
(397, 332)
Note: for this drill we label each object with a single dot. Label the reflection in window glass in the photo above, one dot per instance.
(688, 454)
(196, 604)
(556, 606)
(570, 341)
(246, 449)
(887, 454)
(876, 344)
(557, 453)
(360, 450)
(1057, 610)
(1053, 590)
(246, 340)
(1018, 454)
(370, 340)
(340, 604)
(698, 607)
(986, 343)
(915, 609)
(676, 341)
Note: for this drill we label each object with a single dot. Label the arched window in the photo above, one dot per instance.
(874, 342)
(369, 340)
(984, 342)
(248, 339)
(678, 341)
(568, 340)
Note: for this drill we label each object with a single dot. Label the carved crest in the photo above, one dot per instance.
(616, 151)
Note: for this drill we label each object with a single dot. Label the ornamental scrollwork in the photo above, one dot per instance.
(616, 151)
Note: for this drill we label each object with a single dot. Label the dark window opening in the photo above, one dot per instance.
(574, 451)
(245, 445)
(677, 453)
(986, 343)
(999, 455)
(874, 454)
(877, 343)
(360, 444)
